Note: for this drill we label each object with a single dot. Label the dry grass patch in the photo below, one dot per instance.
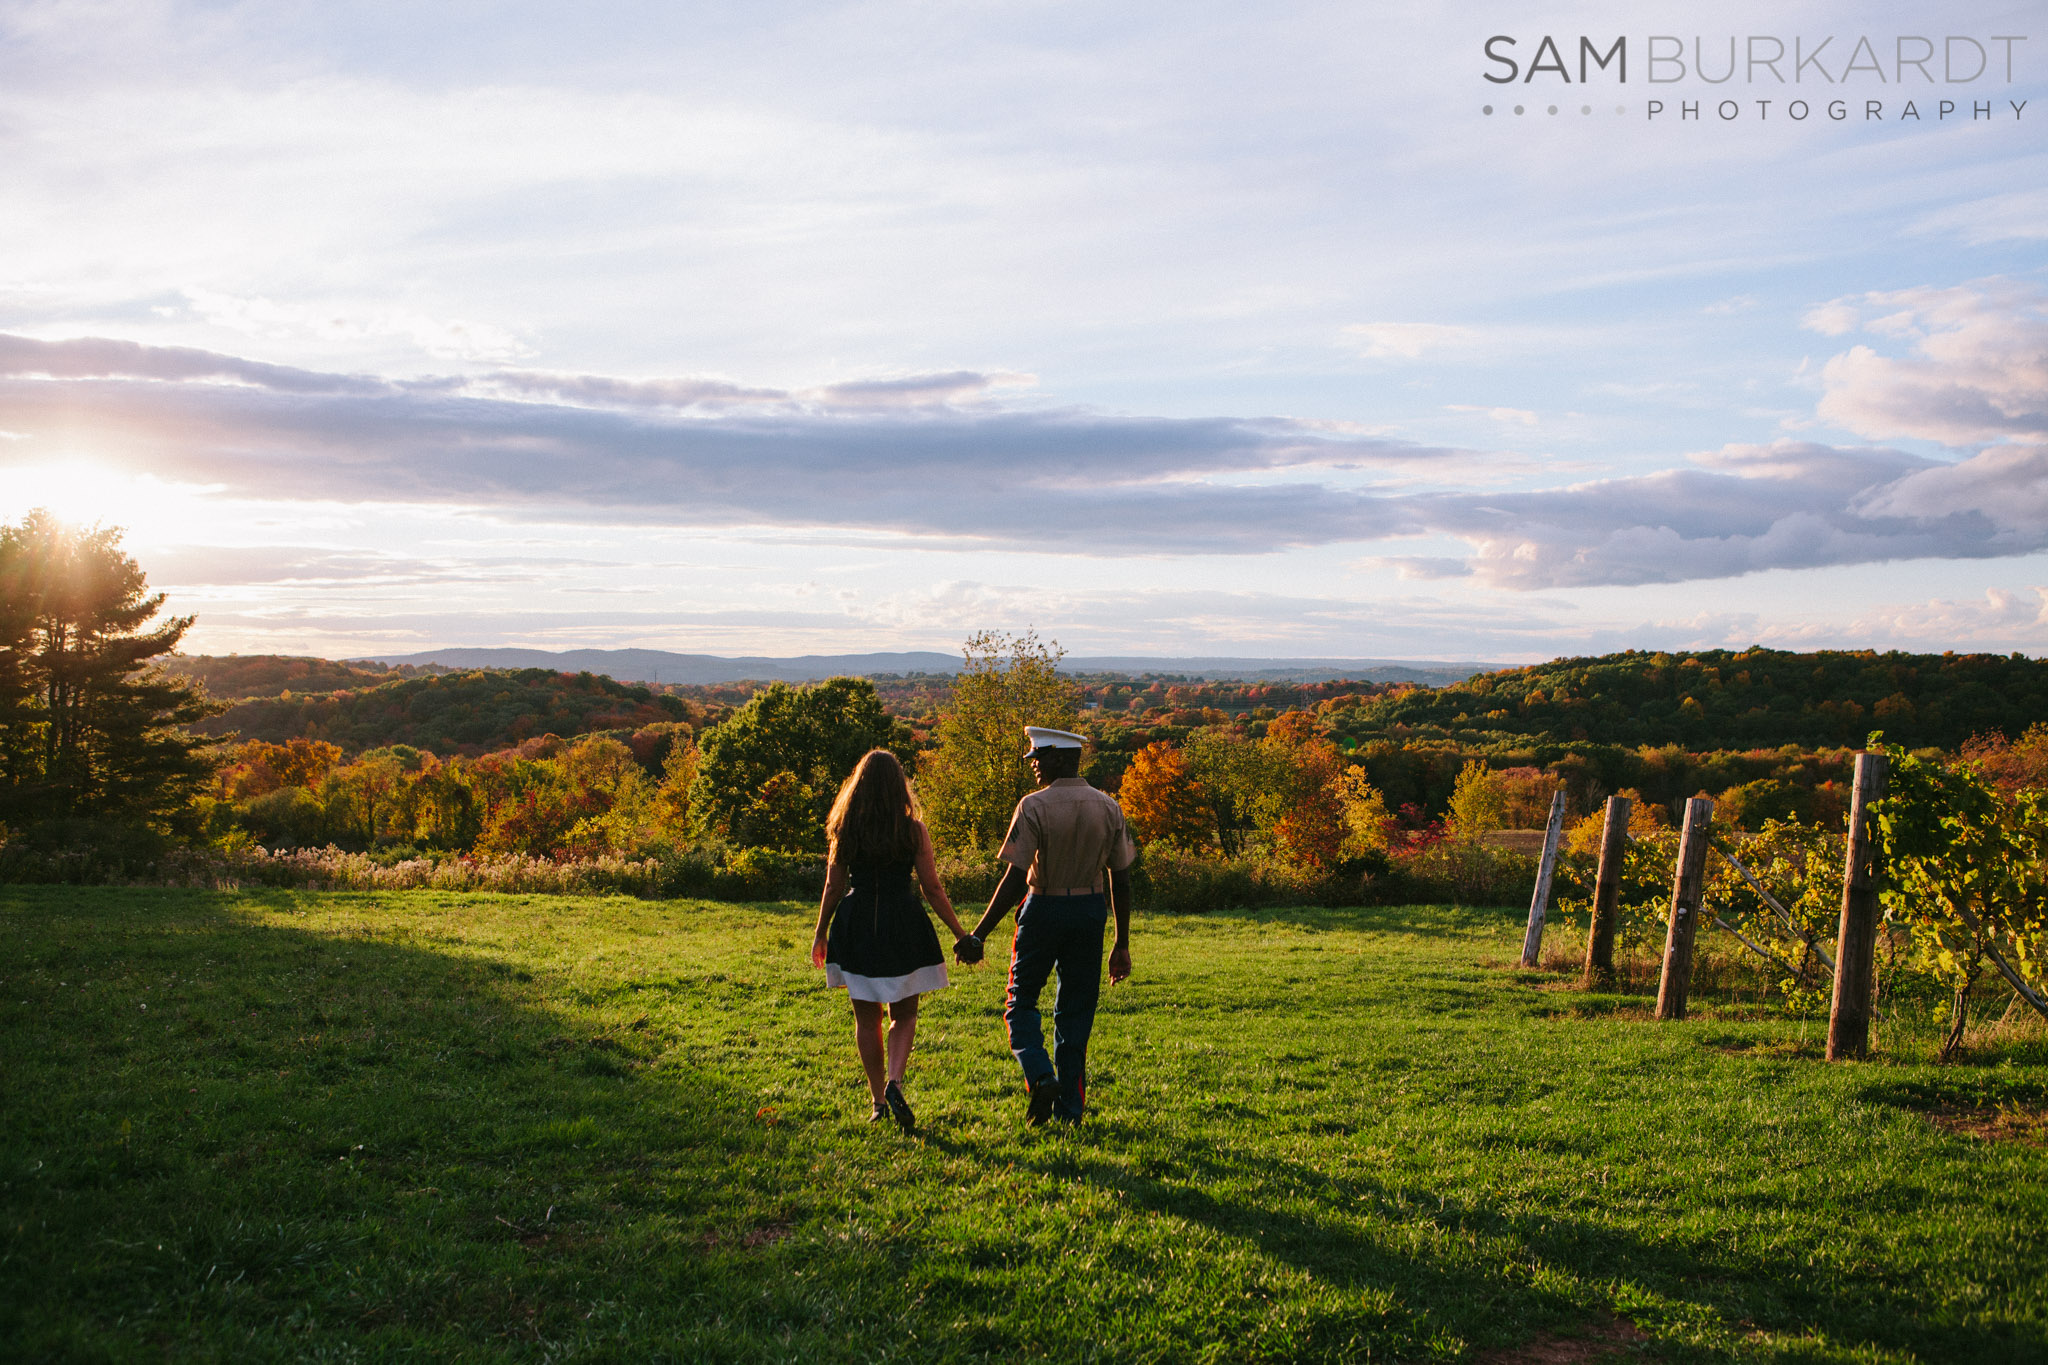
(1598, 1341)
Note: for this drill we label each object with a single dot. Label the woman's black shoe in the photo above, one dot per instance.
(900, 1107)
(881, 1112)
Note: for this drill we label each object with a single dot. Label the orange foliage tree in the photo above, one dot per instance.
(1163, 800)
(1312, 829)
(259, 767)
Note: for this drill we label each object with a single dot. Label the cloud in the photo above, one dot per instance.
(447, 338)
(1976, 368)
(1832, 319)
(1425, 567)
(187, 567)
(917, 390)
(2003, 619)
(708, 393)
(100, 358)
(1061, 480)
(605, 391)
(1741, 509)
(2005, 487)
(930, 458)
(1504, 415)
(2020, 216)
(1404, 340)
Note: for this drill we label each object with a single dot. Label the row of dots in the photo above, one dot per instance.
(1584, 109)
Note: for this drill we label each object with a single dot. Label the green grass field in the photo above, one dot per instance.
(359, 1127)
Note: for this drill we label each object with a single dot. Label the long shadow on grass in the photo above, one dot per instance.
(223, 1137)
(1443, 1287)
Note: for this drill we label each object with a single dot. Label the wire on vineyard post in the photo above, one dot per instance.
(1607, 895)
(1683, 923)
(1812, 943)
(1539, 900)
(1856, 940)
(1766, 954)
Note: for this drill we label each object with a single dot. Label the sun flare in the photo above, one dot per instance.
(90, 492)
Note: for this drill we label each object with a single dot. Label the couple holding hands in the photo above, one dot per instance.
(874, 938)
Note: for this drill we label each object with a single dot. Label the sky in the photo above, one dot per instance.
(1168, 329)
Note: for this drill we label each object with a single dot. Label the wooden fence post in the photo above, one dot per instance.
(1856, 940)
(1606, 895)
(1683, 923)
(1539, 900)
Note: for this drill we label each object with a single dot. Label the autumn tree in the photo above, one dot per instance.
(973, 779)
(1644, 820)
(1311, 828)
(2011, 765)
(1479, 802)
(1366, 817)
(1246, 782)
(1164, 801)
(258, 768)
(87, 728)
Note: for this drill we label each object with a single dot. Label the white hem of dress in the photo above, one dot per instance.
(887, 990)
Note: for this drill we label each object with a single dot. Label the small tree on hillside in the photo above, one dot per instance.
(1245, 780)
(975, 776)
(1478, 803)
(767, 776)
(1366, 816)
(1163, 800)
(1311, 828)
(86, 729)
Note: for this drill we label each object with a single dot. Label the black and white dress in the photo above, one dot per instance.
(882, 946)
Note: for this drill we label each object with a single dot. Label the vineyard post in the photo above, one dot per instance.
(1539, 900)
(1684, 920)
(1607, 895)
(1856, 940)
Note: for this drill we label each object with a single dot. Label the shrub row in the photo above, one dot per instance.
(1166, 880)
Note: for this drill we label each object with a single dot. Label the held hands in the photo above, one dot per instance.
(967, 950)
(1119, 963)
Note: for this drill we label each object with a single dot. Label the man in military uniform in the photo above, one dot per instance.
(1063, 838)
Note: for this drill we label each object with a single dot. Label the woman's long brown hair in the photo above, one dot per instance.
(873, 816)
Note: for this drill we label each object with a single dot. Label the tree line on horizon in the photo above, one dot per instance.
(564, 765)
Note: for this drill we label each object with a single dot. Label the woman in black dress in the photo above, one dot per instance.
(874, 937)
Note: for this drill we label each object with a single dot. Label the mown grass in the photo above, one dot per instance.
(298, 1126)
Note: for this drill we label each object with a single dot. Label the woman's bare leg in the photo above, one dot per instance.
(867, 1039)
(902, 1033)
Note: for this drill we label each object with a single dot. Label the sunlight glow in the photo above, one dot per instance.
(87, 492)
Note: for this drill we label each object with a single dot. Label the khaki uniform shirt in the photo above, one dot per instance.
(1063, 836)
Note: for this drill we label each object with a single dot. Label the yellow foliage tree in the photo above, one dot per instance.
(1643, 818)
(974, 777)
(1365, 812)
(1479, 802)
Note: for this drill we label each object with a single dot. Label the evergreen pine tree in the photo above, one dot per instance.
(87, 729)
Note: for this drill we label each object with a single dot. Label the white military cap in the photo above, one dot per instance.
(1042, 738)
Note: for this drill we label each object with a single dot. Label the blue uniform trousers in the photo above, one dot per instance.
(1062, 933)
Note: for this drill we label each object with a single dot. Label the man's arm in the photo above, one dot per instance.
(1010, 893)
(1120, 906)
(1020, 845)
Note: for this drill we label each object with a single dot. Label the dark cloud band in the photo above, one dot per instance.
(928, 457)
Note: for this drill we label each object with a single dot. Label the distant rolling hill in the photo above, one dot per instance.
(457, 713)
(656, 665)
